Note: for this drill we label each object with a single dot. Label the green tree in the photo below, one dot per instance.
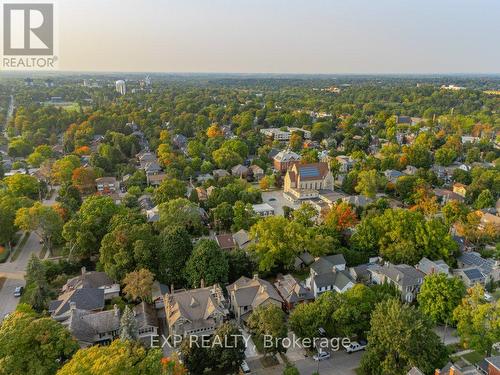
(399, 339)
(291, 370)
(368, 183)
(306, 319)
(269, 322)
(226, 158)
(22, 185)
(485, 200)
(168, 190)
(174, 251)
(45, 221)
(30, 344)
(240, 264)
(478, 321)
(445, 156)
(207, 263)
(37, 289)
(180, 212)
(439, 295)
(243, 216)
(84, 232)
(223, 216)
(128, 326)
(69, 197)
(228, 348)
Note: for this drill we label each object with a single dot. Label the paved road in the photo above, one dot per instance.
(14, 271)
(340, 363)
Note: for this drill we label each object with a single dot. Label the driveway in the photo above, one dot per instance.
(8, 302)
(277, 201)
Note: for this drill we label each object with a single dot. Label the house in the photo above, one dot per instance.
(92, 328)
(147, 322)
(405, 278)
(292, 291)
(415, 371)
(204, 177)
(263, 209)
(470, 276)
(89, 299)
(284, 134)
(179, 141)
(242, 239)
(257, 171)
(245, 295)
(93, 279)
(239, 171)
(487, 219)
(357, 200)
(225, 241)
(410, 170)
(303, 181)
(393, 175)
(470, 139)
(460, 189)
(107, 185)
(201, 193)
(346, 163)
(197, 312)
(155, 179)
(303, 260)
(219, 173)
(145, 202)
(329, 273)
(152, 167)
(444, 196)
(145, 157)
(489, 268)
(158, 292)
(430, 267)
(283, 160)
(493, 365)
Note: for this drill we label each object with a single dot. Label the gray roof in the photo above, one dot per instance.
(145, 315)
(474, 259)
(241, 237)
(292, 290)
(401, 274)
(494, 361)
(85, 299)
(415, 371)
(326, 264)
(252, 292)
(92, 279)
(87, 325)
(337, 278)
(473, 274)
(428, 266)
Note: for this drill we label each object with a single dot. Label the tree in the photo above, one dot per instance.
(340, 217)
(291, 370)
(128, 326)
(226, 158)
(30, 344)
(269, 322)
(128, 247)
(62, 169)
(399, 339)
(368, 183)
(138, 284)
(180, 212)
(243, 216)
(228, 348)
(240, 264)
(478, 321)
(207, 263)
(439, 295)
(223, 216)
(485, 200)
(69, 197)
(196, 356)
(168, 190)
(8, 208)
(307, 318)
(454, 211)
(22, 185)
(84, 179)
(37, 289)
(121, 357)
(84, 232)
(174, 251)
(305, 214)
(445, 156)
(45, 221)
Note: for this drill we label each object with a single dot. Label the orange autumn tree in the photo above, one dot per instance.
(340, 217)
(214, 131)
(83, 150)
(84, 179)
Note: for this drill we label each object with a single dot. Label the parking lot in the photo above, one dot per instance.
(277, 201)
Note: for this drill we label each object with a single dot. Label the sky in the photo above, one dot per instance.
(280, 36)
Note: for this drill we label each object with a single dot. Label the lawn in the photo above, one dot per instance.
(20, 246)
(473, 357)
(2, 280)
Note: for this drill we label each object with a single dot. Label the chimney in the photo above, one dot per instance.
(255, 276)
(84, 270)
(116, 309)
(172, 288)
(72, 306)
(437, 372)
(452, 370)
(202, 283)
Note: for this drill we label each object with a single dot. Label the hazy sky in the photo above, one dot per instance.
(281, 36)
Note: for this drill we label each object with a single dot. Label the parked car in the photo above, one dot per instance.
(320, 356)
(355, 346)
(488, 297)
(244, 367)
(18, 291)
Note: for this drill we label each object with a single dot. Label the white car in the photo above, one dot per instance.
(355, 346)
(488, 297)
(244, 367)
(320, 356)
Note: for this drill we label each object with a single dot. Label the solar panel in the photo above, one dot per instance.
(473, 274)
(309, 172)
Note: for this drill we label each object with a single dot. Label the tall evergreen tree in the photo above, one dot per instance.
(128, 325)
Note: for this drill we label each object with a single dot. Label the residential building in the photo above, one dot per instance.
(489, 268)
(493, 365)
(121, 87)
(147, 322)
(225, 241)
(470, 276)
(430, 267)
(346, 163)
(93, 279)
(107, 185)
(89, 299)
(460, 189)
(219, 173)
(245, 295)
(329, 273)
(283, 160)
(444, 196)
(284, 134)
(201, 193)
(405, 278)
(196, 312)
(239, 171)
(154, 179)
(292, 291)
(357, 200)
(258, 172)
(393, 175)
(303, 181)
(263, 209)
(242, 239)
